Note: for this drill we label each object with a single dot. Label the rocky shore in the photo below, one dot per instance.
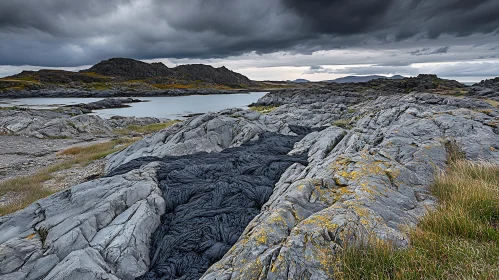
(107, 103)
(239, 194)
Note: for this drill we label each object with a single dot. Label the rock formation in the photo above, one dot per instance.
(370, 157)
(105, 104)
(64, 123)
(487, 89)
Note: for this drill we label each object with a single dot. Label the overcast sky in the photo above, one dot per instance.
(263, 39)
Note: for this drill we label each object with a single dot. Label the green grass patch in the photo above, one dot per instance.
(264, 109)
(146, 129)
(30, 188)
(343, 123)
(457, 240)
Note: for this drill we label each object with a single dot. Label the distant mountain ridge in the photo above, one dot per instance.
(362, 79)
(300, 81)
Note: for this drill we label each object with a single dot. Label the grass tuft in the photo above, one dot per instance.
(146, 129)
(494, 103)
(457, 240)
(43, 233)
(454, 152)
(264, 109)
(343, 123)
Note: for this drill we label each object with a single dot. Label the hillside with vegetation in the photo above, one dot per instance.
(126, 74)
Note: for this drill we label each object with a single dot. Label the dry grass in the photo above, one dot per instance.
(454, 152)
(30, 188)
(190, 86)
(493, 102)
(95, 75)
(264, 109)
(15, 108)
(175, 86)
(458, 240)
(136, 129)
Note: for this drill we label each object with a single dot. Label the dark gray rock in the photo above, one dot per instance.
(105, 104)
(486, 89)
(210, 198)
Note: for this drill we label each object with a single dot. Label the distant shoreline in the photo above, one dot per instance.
(115, 93)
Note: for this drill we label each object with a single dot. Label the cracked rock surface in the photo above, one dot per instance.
(96, 230)
(369, 177)
(51, 124)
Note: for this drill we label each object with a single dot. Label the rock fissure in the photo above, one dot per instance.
(224, 201)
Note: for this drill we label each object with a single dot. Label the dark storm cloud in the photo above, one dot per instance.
(342, 17)
(420, 52)
(426, 51)
(51, 16)
(441, 50)
(399, 18)
(70, 33)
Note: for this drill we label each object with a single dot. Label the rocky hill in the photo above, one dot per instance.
(362, 79)
(487, 89)
(118, 75)
(129, 68)
(220, 75)
(239, 194)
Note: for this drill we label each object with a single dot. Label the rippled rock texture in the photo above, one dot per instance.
(210, 198)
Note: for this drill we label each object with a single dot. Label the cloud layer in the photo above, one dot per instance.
(70, 33)
(383, 33)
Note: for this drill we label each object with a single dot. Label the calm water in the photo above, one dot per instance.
(159, 107)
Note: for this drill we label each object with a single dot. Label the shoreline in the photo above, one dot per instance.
(115, 93)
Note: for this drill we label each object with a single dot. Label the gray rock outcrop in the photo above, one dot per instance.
(370, 180)
(52, 124)
(97, 230)
(367, 178)
(486, 89)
